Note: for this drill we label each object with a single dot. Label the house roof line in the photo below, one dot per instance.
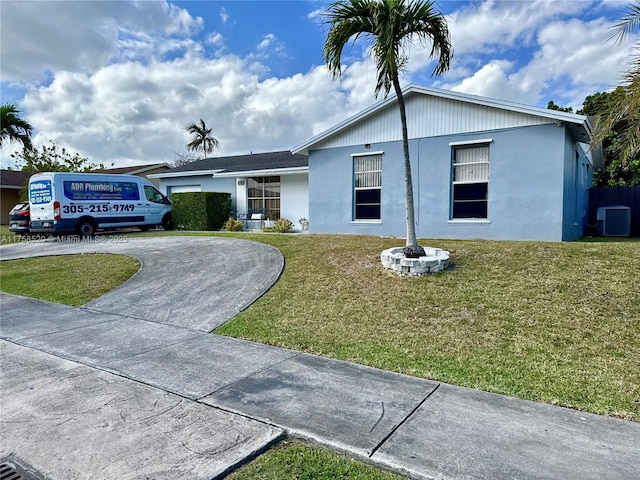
(188, 173)
(262, 173)
(451, 95)
(132, 170)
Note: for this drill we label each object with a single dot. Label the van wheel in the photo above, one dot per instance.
(86, 227)
(167, 222)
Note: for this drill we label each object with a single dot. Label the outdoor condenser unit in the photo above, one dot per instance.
(614, 221)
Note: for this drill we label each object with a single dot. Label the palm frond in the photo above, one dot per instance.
(388, 25)
(627, 24)
(13, 128)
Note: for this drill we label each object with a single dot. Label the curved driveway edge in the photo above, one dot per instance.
(192, 282)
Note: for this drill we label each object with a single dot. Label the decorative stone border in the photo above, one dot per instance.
(435, 260)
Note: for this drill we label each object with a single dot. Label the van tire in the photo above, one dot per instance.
(167, 222)
(86, 227)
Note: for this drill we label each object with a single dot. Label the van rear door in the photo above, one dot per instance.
(41, 199)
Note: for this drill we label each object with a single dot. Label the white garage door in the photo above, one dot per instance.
(186, 188)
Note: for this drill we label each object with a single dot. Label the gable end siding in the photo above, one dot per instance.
(429, 117)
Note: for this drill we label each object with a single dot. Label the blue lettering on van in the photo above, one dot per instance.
(78, 190)
(40, 192)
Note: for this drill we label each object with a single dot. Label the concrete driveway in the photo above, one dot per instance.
(193, 282)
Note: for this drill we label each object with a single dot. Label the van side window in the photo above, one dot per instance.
(153, 195)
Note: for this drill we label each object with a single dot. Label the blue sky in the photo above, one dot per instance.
(117, 81)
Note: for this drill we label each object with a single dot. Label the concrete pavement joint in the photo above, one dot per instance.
(404, 420)
(71, 329)
(252, 374)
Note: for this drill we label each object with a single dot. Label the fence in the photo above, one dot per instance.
(604, 196)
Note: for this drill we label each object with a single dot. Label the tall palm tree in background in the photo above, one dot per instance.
(14, 128)
(625, 111)
(202, 139)
(388, 25)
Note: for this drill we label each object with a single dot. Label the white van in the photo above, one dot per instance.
(82, 203)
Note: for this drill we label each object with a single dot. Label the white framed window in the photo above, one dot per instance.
(367, 186)
(263, 196)
(470, 181)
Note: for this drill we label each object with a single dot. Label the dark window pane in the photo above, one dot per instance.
(476, 209)
(367, 212)
(470, 191)
(368, 196)
(367, 204)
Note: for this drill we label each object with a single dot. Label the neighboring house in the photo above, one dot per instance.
(274, 182)
(482, 169)
(11, 182)
(144, 171)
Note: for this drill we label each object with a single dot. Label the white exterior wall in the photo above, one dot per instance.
(429, 116)
(193, 182)
(294, 198)
(241, 196)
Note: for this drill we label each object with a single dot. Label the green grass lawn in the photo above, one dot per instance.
(69, 279)
(296, 461)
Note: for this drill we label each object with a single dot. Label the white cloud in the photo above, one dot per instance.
(316, 14)
(224, 16)
(83, 36)
(266, 41)
(133, 112)
(493, 24)
(214, 38)
(496, 80)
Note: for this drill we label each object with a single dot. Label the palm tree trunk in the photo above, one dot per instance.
(412, 242)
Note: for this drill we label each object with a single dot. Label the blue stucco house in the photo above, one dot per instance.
(482, 169)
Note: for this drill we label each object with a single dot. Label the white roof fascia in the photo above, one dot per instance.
(189, 173)
(263, 173)
(558, 116)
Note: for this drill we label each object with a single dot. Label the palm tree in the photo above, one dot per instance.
(388, 25)
(625, 110)
(202, 138)
(14, 128)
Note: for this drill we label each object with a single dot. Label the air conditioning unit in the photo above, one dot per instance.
(614, 221)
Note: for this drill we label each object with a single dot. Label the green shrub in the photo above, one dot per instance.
(200, 210)
(233, 225)
(281, 225)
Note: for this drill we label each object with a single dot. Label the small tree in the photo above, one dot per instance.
(184, 158)
(51, 159)
(202, 138)
(618, 171)
(552, 106)
(624, 116)
(388, 25)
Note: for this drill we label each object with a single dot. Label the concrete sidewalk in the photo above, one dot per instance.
(414, 426)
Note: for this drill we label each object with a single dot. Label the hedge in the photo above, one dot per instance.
(200, 210)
